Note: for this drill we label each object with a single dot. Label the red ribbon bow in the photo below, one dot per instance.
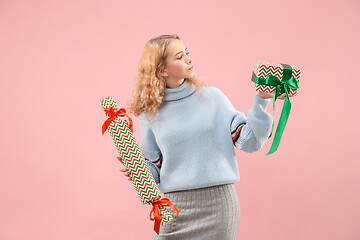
(158, 217)
(121, 113)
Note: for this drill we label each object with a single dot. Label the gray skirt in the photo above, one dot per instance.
(204, 213)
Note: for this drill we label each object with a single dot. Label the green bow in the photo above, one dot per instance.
(288, 82)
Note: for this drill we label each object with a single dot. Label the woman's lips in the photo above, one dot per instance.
(191, 68)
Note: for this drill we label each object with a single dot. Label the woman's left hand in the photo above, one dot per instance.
(270, 95)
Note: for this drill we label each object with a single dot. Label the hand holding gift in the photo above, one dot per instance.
(124, 169)
(121, 132)
(271, 95)
(276, 79)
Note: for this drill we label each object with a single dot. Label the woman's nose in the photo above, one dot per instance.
(189, 59)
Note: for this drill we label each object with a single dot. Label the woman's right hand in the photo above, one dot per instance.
(123, 169)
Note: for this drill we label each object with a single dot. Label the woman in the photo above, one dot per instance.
(188, 133)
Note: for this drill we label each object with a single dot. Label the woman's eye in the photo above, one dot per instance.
(186, 54)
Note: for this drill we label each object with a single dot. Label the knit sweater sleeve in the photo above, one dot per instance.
(150, 149)
(250, 133)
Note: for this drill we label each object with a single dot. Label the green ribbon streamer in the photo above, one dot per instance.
(282, 86)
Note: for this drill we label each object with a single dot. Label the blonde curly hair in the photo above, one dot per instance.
(149, 87)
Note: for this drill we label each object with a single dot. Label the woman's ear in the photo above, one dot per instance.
(163, 72)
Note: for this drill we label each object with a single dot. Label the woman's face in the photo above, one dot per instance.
(178, 64)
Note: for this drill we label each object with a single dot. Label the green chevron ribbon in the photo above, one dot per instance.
(288, 82)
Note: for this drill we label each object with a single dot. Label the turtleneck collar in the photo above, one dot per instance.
(183, 91)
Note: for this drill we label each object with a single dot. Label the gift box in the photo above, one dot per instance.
(121, 132)
(277, 79)
(263, 71)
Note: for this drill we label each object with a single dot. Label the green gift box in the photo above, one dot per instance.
(277, 79)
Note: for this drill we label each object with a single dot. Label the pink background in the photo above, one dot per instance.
(59, 176)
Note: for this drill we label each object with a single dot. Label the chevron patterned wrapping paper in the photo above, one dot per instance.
(134, 161)
(265, 69)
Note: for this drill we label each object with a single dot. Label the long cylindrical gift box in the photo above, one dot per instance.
(121, 132)
(277, 79)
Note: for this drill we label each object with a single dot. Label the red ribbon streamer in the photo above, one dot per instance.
(158, 217)
(120, 113)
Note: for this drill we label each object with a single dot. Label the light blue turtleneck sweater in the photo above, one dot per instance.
(191, 142)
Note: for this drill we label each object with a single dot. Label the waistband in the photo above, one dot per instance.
(205, 193)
